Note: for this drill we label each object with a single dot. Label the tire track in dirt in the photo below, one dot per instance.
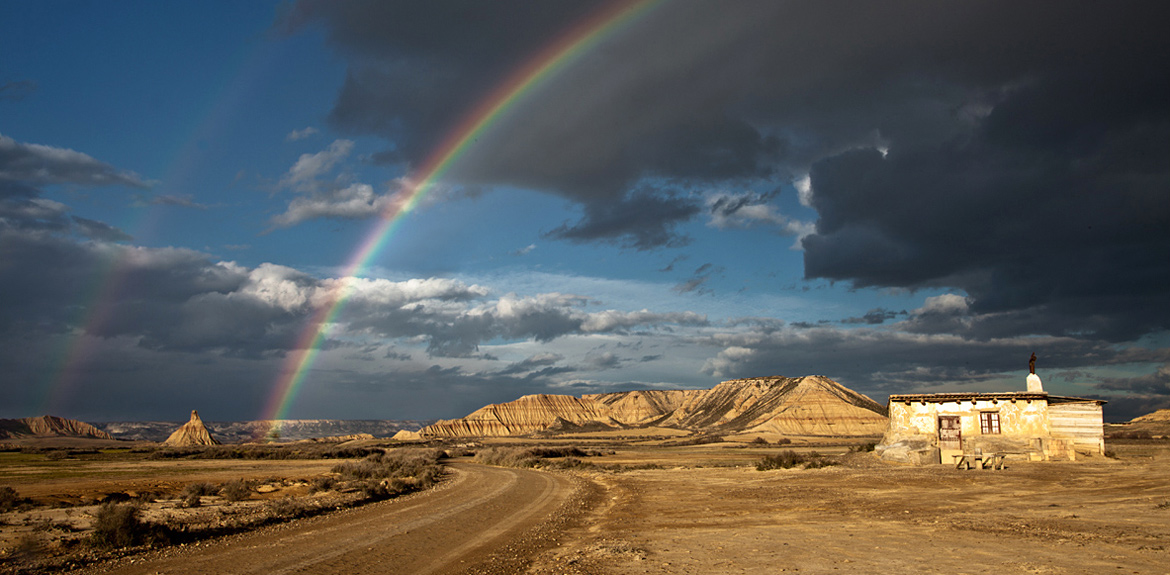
(453, 527)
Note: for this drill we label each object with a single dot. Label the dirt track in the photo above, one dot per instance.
(478, 521)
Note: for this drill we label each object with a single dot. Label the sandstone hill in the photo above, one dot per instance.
(1162, 415)
(48, 426)
(810, 405)
(191, 433)
(1156, 424)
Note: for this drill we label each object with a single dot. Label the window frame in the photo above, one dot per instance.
(989, 423)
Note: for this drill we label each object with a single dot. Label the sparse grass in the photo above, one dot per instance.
(269, 452)
(788, 459)
(696, 440)
(546, 457)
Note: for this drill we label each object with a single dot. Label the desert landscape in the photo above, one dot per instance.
(581, 486)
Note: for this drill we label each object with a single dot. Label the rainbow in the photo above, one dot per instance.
(536, 70)
(68, 361)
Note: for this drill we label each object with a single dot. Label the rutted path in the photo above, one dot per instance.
(463, 523)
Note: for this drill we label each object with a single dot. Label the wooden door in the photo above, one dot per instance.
(950, 434)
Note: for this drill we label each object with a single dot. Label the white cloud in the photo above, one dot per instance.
(747, 210)
(295, 135)
(310, 167)
(804, 190)
(357, 201)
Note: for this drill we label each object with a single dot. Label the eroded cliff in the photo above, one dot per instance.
(810, 405)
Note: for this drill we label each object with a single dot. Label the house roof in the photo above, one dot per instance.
(1001, 396)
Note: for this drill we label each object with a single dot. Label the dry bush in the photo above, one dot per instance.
(548, 457)
(119, 525)
(10, 500)
(696, 440)
(390, 474)
(287, 508)
(321, 484)
(266, 452)
(788, 459)
(236, 490)
(506, 457)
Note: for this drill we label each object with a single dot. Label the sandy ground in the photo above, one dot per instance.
(705, 509)
(1095, 516)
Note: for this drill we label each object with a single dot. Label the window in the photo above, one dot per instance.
(989, 422)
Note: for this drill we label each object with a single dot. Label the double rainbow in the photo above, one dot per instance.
(536, 70)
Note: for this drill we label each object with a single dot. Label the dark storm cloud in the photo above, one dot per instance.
(874, 317)
(644, 220)
(1017, 151)
(100, 230)
(889, 361)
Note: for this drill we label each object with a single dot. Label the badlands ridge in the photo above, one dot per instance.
(810, 406)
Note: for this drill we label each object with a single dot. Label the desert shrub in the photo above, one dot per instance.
(389, 474)
(568, 457)
(321, 484)
(547, 452)
(191, 500)
(200, 488)
(863, 448)
(287, 508)
(759, 441)
(783, 441)
(697, 440)
(119, 525)
(193, 493)
(788, 459)
(817, 461)
(1163, 505)
(236, 490)
(506, 457)
(57, 455)
(116, 497)
(9, 499)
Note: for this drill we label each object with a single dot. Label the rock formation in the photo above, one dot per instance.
(191, 433)
(1162, 415)
(48, 426)
(529, 414)
(811, 405)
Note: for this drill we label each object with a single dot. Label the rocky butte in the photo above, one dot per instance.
(192, 433)
(809, 405)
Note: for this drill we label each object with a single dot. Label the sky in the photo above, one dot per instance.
(906, 197)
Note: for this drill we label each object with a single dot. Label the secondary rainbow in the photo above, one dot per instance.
(507, 94)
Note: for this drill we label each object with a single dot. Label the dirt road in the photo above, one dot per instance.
(468, 524)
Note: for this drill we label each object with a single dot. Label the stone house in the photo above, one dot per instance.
(934, 427)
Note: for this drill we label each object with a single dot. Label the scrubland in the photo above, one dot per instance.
(647, 504)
